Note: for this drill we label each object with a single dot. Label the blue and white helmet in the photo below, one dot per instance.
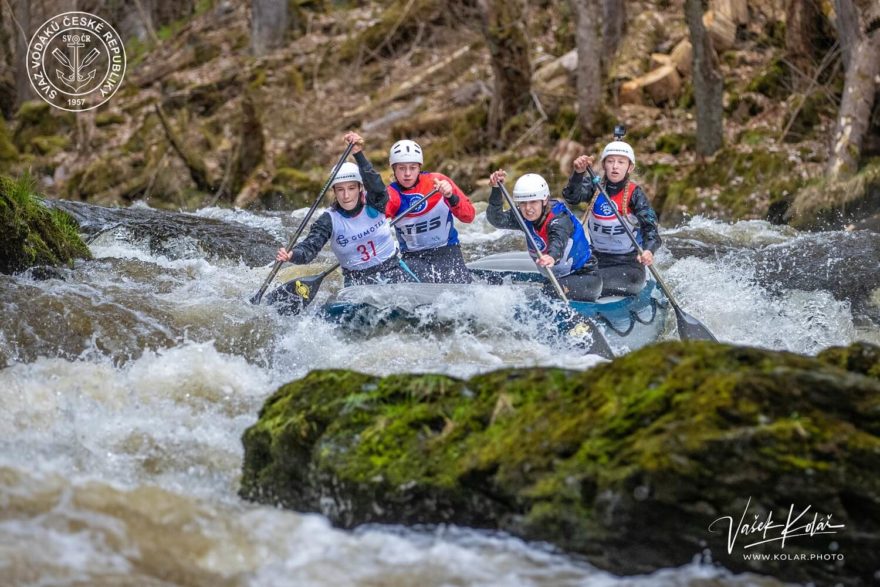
(347, 172)
(406, 151)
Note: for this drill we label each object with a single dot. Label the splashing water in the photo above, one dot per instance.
(129, 380)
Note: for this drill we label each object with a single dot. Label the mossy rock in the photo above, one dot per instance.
(774, 81)
(37, 120)
(675, 143)
(32, 234)
(460, 133)
(858, 357)
(292, 188)
(8, 152)
(832, 204)
(50, 145)
(747, 182)
(628, 463)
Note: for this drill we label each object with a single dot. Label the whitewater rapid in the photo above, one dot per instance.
(129, 380)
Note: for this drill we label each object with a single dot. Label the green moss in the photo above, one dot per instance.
(746, 182)
(257, 79)
(109, 119)
(203, 52)
(8, 152)
(675, 143)
(459, 133)
(811, 109)
(292, 188)
(396, 28)
(565, 125)
(49, 145)
(755, 137)
(540, 452)
(39, 127)
(859, 357)
(33, 234)
(295, 80)
(774, 81)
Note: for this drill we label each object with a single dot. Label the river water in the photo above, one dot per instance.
(127, 382)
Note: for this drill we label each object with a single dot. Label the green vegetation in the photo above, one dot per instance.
(744, 183)
(774, 81)
(32, 234)
(42, 129)
(8, 152)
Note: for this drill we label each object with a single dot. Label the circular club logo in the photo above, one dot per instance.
(76, 61)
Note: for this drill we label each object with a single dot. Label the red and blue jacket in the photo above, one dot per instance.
(430, 225)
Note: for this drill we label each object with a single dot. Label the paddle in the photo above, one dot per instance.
(533, 246)
(259, 295)
(600, 345)
(689, 328)
(305, 288)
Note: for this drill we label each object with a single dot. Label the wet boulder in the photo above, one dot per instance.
(674, 451)
(33, 234)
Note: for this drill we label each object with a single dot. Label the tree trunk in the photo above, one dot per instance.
(509, 50)
(847, 27)
(22, 24)
(268, 25)
(708, 83)
(803, 20)
(859, 89)
(589, 70)
(613, 27)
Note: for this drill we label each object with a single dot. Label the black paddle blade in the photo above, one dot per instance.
(589, 337)
(295, 295)
(689, 328)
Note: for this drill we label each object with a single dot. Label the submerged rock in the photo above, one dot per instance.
(32, 234)
(628, 464)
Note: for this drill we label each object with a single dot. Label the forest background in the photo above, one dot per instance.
(737, 109)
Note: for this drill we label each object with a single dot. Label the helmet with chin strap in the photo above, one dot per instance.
(405, 151)
(530, 187)
(347, 172)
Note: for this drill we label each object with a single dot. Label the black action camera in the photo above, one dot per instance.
(619, 132)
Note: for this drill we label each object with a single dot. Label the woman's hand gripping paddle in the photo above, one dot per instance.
(259, 295)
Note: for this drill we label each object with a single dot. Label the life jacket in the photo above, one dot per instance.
(606, 232)
(361, 241)
(577, 249)
(430, 224)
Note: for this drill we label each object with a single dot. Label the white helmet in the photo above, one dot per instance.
(347, 172)
(530, 186)
(406, 151)
(618, 148)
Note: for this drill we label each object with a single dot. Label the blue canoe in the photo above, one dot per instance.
(628, 322)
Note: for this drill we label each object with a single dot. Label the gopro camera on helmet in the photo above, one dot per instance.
(619, 132)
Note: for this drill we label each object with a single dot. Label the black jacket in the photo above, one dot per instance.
(581, 189)
(322, 229)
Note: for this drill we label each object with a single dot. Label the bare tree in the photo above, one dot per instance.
(22, 24)
(803, 21)
(589, 71)
(509, 49)
(859, 25)
(268, 25)
(613, 27)
(708, 83)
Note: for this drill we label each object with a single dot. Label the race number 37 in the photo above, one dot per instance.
(367, 250)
